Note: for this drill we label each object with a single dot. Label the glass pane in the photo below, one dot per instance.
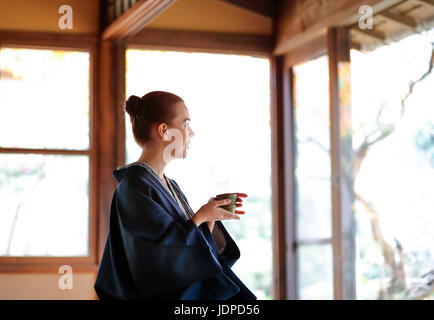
(44, 99)
(315, 272)
(314, 199)
(221, 107)
(44, 205)
(394, 176)
(312, 142)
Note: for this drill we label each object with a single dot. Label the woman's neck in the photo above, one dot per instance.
(155, 160)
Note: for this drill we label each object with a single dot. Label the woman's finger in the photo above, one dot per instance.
(244, 195)
(240, 212)
(239, 199)
(239, 204)
(222, 202)
(233, 216)
(228, 215)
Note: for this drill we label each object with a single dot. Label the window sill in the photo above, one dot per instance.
(45, 264)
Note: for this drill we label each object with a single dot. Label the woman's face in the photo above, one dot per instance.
(180, 129)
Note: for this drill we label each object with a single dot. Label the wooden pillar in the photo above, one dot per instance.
(111, 128)
(289, 182)
(282, 176)
(343, 239)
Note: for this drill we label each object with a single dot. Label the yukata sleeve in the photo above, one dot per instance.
(163, 254)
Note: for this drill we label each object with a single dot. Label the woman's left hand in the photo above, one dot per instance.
(238, 203)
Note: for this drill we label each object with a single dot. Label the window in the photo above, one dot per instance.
(393, 143)
(384, 162)
(228, 97)
(45, 152)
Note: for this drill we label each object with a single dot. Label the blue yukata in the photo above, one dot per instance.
(155, 251)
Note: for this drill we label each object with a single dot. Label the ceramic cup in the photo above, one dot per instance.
(231, 206)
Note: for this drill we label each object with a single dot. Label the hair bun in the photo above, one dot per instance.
(132, 105)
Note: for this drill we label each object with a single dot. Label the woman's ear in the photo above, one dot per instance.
(162, 131)
(166, 136)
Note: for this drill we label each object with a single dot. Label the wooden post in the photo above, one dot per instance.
(289, 183)
(282, 174)
(284, 281)
(111, 136)
(278, 226)
(343, 238)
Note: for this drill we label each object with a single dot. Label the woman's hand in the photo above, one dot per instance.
(212, 212)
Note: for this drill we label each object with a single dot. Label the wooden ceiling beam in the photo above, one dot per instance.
(401, 19)
(300, 21)
(355, 45)
(371, 33)
(428, 2)
(135, 19)
(264, 7)
(202, 41)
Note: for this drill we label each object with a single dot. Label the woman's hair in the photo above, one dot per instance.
(153, 107)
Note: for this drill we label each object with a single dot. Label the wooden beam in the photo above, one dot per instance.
(31, 265)
(203, 41)
(401, 19)
(310, 50)
(333, 49)
(341, 152)
(289, 185)
(47, 39)
(278, 213)
(111, 141)
(264, 7)
(44, 151)
(372, 33)
(356, 46)
(301, 21)
(135, 19)
(428, 2)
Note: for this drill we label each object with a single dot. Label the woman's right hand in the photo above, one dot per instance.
(212, 212)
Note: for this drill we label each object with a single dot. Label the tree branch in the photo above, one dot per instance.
(319, 144)
(421, 78)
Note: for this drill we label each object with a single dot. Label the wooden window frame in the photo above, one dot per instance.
(75, 42)
(334, 43)
(111, 133)
(343, 221)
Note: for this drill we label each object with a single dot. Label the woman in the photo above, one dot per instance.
(157, 247)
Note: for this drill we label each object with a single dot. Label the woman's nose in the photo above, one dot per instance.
(192, 133)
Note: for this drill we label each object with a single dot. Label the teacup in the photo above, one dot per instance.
(231, 206)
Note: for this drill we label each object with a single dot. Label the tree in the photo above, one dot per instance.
(392, 253)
